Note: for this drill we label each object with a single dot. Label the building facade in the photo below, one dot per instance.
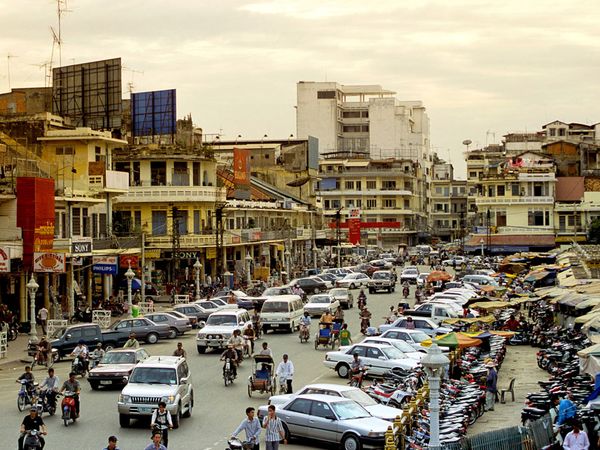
(448, 203)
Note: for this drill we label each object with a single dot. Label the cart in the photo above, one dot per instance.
(263, 377)
(327, 334)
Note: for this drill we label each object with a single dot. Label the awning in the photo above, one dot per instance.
(587, 317)
(512, 240)
(356, 163)
(589, 303)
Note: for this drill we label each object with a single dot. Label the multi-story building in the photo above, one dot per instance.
(448, 203)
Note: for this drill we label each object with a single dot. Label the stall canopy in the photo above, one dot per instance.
(589, 303)
(454, 340)
(589, 360)
(439, 275)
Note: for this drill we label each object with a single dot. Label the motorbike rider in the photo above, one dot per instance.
(97, 354)
(356, 367)
(362, 299)
(32, 422)
(305, 322)
(249, 336)
(72, 385)
(339, 316)
(238, 344)
(405, 289)
(43, 350)
(392, 316)
(162, 421)
(365, 319)
(83, 353)
(28, 377)
(266, 350)
(232, 355)
(49, 387)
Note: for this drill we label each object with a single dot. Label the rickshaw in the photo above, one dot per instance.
(263, 377)
(327, 334)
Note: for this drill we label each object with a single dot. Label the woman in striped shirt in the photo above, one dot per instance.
(273, 429)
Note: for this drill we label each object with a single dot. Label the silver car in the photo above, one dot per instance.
(344, 296)
(177, 325)
(331, 419)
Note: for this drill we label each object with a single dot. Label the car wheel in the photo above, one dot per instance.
(351, 442)
(201, 350)
(123, 420)
(286, 432)
(316, 290)
(152, 338)
(352, 286)
(108, 347)
(172, 333)
(176, 417)
(343, 370)
(188, 413)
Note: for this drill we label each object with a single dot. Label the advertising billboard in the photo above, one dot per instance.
(90, 94)
(241, 173)
(49, 262)
(154, 113)
(35, 215)
(126, 261)
(4, 259)
(104, 264)
(354, 225)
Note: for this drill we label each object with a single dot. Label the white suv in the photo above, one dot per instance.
(156, 379)
(219, 328)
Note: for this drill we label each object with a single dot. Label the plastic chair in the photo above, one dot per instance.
(510, 388)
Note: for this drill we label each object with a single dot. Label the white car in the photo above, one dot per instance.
(458, 260)
(411, 337)
(219, 328)
(424, 324)
(378, 358)
(404, 347)
(410, 275)
(422, 279)
(353, 281)
(341, 390)
(320, 303)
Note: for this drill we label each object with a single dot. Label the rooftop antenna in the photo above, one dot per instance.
(8, 56)
(61, 8)
(130, 85)
(488, 133)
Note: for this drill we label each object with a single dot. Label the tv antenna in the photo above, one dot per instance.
(8, 57)
(130, 85)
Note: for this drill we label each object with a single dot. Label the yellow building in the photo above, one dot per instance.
(448, 203)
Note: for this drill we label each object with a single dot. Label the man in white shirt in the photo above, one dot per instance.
(43, 317)
(576, 439)
(285, 371)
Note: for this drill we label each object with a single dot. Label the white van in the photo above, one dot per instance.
(281, 312)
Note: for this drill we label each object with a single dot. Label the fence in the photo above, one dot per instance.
(146, 307)
(101, 317)
(3, 344)
(56, 324)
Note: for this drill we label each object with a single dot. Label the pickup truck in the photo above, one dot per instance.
(437, 312)
(382, 280)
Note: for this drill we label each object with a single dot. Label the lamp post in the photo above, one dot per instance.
(197, 267)
(434, 363)
(288, 257)
(32, 287)
(129, 274)
(481, 242)
(248, 268)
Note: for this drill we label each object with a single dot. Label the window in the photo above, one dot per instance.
(349, 184)
(158, 173)
(196, 221)
(351, 114)
(552, 132)
(371, 203)
(159, 223)
(183, 221)
(301, 406)
(325, 94)
(374, 353)
(388, 185)
(491, 191)
(61, 151)
(514, 190)
(358, 185)
(137, 220)
(389, 203)
(358, 203)
(438, 190)
(538, 190)
(351, 128)
(326, 204)
(76, 221)
(500, 191)
(472, 174)
(536, 218)
(321, 409)
(406, 204)
(358, 349)
(371, 184)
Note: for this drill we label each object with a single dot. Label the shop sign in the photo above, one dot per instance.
(126, 261)
(78, 247)
(105, 264)
(49, 262)
(4, 259)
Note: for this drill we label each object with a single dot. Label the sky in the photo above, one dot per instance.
(482, 68)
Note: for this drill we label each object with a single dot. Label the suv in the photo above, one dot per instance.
(158, 378)
(382, 280)
(409, 274)
(219, 328)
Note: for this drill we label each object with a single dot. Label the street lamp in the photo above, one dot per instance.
(481, 242)
(129, 274)
(287, 255)
(32, 287)
(197, 267)
(248, 268)
(434, 363)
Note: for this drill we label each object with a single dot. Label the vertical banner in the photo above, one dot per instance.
(354, 226)
(241, 173)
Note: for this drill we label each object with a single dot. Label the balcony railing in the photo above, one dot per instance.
(481, 200)
(172, 194)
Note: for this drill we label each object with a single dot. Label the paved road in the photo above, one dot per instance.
(218, 409)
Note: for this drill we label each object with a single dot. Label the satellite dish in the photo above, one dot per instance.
(467, 142)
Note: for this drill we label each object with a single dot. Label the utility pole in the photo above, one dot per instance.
(489, 232)
(462, 230)
(219, 207)
(338, 218)
(176, 245)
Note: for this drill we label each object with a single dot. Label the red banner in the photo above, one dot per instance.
(35, 215)
(333, 224)
(241, 167)
(354, 231)
(126, 260)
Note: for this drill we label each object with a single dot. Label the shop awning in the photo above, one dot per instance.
(589, 303)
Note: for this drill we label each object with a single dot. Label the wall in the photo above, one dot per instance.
(317, 117)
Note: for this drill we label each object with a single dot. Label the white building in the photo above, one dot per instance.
(362, 118)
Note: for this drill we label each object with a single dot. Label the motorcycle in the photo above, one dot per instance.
(362, 300)
(304, 333)
(46, 402)
(357, 378)
(365, 322)
(82, 316)
(236, 444)
(25, 396)
(32, 440)
(68, 408)
(228, 375)
(78, 366)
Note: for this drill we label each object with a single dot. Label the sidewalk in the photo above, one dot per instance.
(520, 363)
(17, 351)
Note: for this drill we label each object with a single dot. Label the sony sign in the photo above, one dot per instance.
(78, 247)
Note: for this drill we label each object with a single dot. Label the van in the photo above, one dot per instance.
(281, 312)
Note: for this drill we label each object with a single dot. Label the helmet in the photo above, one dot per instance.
(81, 341)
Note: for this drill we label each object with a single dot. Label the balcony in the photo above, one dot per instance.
(348, 192)
(545, 200)
(171, 194)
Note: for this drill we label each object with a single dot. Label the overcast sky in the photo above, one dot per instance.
(482, 68)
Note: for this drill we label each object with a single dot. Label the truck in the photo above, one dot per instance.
(382, 280)
(437, 312)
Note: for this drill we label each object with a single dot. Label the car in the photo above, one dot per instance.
(338, 272)
(382, 280)
(421, 323)
(410, 275)
(320, 303)
(367, 269)
(412, 337)
(335, 420)
(404, 347)
(116, 366)
(381, 264)
(353, 281)
(219, 328)
(207, 307)
(380, 359)
(328, 283)
(422, 279)
(455, 260)
(344, 296)
(191, 311)
(178, 325)
(340, 390)
(144, 329)
(332, 278)
(156, 379)
(222, 303)
(279, 290)
(309, 285)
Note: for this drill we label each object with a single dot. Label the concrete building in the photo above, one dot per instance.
(448, 203)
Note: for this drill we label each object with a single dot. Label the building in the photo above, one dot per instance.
(448, 203)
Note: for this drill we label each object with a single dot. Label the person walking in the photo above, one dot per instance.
(155, 444)
(112, 443)
(491, 384)
(251, 425)
(574, 440)
(179, 351)
(285, 371)
(43, 318)
(345, 336)
(274, 431)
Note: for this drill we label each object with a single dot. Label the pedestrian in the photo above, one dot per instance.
(132, 342)
(274, 431)
(576, 439)
(112, 443)
(155, 444)
(179, 351)
(251, 425)
(285, 371)
(43, 318)
(345, 337)
(566, 409)
(339, 315)
(491, 384)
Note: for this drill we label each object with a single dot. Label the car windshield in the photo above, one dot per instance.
(403, 346)
(208, 305)
(419, 336)
(320, 299)
(220, 319)
(349, 410)
(153, 375)
(58, 333)
(393, 353)
(275, 307)
(276, 291)
(359, 397)
(339, 292)
(410, 272)
(381, 275)
(118, 358)
(218, 301)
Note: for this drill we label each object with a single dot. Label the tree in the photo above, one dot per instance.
(594, 232)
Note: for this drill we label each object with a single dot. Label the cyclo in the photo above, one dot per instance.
(327, 334)
(263, 377)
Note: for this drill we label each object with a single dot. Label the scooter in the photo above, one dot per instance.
(357, 378)
(228, 376)
(78, 367)
(304, 333)
(32, 440)
(25, 396)
(68, 408)
(46, 402)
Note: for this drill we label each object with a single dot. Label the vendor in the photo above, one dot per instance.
(512, 324)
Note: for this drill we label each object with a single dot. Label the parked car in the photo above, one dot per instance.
(219, 328)
(309, 285)
(154, 380)
(207, 307)
(412, 337)
(380, 359)
(320, 303)
(116, 366)
(437, 312)
(409, 274)
(455, 260)
(344, 296)
(404, 347)
(421, 323)
(328, 283)
(144, 329)
(332, 278)
(278, 290)
(340, 390)
(336, 420)
(222, 303)
(353, 281)
(382, 280)
(177, 325)
(192, 311)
